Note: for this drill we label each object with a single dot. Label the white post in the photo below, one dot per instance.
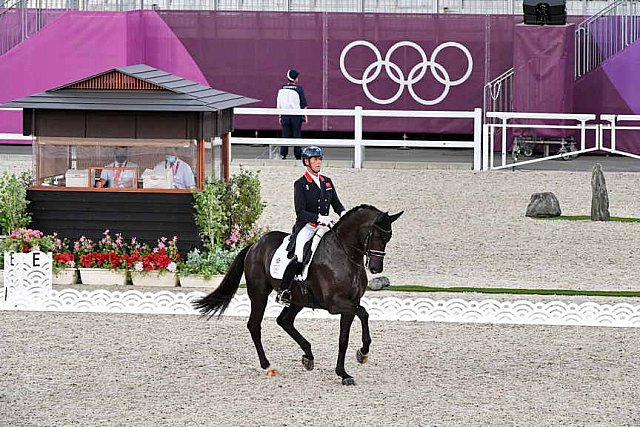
(504, 141)
(613, 133)
(477, 139)
(357, 130)
(485, 147)
(583, 134)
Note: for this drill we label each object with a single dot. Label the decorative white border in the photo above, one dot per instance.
(519, 312)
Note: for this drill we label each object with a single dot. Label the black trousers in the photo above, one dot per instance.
(291, 128)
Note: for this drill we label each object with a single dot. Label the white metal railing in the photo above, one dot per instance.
(358, 143)
(506, 123)
(498, 93)
(613, 125)
(605, 34)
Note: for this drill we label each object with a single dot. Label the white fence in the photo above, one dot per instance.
(358, 143)
(613, 125)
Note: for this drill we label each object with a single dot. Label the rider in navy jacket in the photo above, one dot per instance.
(313, 195)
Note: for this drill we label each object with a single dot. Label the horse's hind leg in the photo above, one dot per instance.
(362, 355)
(258, 306)
(345, 327)
(286, 319)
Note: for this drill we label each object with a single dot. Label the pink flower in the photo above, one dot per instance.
(138, 266)
(172, 267)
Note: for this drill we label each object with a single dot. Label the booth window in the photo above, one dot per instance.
(119, 163)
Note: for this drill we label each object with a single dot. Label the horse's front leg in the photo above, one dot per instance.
(345, 327)
(362, 355)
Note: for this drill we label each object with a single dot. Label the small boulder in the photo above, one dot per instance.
(377, 283)
(543, 205)
(599, 195)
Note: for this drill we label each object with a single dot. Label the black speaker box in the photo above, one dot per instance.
(545, 12)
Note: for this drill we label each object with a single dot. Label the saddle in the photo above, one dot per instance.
(281, 258)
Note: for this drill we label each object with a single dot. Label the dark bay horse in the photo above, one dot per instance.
(336, 280)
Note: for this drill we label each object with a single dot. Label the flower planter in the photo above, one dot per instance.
(198, 281)
(102, 276)
(154, 278)
(65, 276)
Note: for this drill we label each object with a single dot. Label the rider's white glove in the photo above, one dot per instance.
(324, 219)
(343, 213)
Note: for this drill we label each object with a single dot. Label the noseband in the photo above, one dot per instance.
(373, 252)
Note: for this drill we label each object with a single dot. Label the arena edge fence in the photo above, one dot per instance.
(509, 121)
(358, 143)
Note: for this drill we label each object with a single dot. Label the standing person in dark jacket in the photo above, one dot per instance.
(313, 195)
(291, 97)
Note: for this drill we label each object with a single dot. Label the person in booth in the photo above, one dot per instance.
(183, 177)
(313, 195)
(118, 178)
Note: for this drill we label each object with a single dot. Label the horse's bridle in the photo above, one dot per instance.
(368, 252)
(373, 252)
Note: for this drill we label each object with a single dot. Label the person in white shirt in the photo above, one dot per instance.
(183, 177)
(118, 178)
(291, 97)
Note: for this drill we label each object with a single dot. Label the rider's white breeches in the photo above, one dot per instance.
(303, 237)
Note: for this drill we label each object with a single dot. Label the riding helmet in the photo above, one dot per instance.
(312, 151)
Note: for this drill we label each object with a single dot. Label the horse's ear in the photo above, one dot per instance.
(396, 216)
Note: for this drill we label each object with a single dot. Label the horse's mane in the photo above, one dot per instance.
(352, 211)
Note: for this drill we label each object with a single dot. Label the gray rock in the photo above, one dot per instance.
(378, 283)
(543, 205)
(599, 195)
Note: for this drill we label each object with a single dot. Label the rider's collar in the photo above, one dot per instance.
(310, 175)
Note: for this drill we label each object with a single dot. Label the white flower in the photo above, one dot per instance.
(172, 267)
(138, 266)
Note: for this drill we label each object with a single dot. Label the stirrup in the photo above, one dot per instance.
(284, 297)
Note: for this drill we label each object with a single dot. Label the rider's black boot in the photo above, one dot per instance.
(284, 293)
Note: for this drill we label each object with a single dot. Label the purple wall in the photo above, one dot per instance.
(249, 53)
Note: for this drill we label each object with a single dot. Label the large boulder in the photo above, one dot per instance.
(599, 195)
(378, 283)
(543, 205)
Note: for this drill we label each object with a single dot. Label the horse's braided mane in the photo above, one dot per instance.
(356, 209)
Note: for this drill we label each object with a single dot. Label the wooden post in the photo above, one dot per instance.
(202, 166)
(226, 156)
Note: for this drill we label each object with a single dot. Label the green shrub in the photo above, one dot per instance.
(223, 208)
(13, 202)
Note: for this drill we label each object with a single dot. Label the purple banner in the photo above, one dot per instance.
(377, 61)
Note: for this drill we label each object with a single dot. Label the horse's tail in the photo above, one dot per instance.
(218, 300)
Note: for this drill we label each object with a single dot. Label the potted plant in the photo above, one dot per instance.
(156, 266)
(104, 263)
(64, 263)
(26, 240)
(205, 269)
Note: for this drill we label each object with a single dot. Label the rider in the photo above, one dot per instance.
(313, 194)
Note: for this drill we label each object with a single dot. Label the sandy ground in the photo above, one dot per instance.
(123, 370)
(462, 228)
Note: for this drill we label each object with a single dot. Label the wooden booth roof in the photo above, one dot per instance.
(133, 88)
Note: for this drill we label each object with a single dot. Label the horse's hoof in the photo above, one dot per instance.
(271, 372)
(348, 381)
(307, 363)
(361, 358)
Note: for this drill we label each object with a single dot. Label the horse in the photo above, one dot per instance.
(336, 281)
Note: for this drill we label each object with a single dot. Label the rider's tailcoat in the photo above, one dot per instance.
(311, 201)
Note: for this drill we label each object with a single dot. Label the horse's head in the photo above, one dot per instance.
(368, 230)
(377, 239)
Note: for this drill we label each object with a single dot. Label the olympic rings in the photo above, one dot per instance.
(438, 71)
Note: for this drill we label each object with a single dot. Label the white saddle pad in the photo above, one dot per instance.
(280, 261)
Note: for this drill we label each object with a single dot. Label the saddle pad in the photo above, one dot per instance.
(280, 261)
